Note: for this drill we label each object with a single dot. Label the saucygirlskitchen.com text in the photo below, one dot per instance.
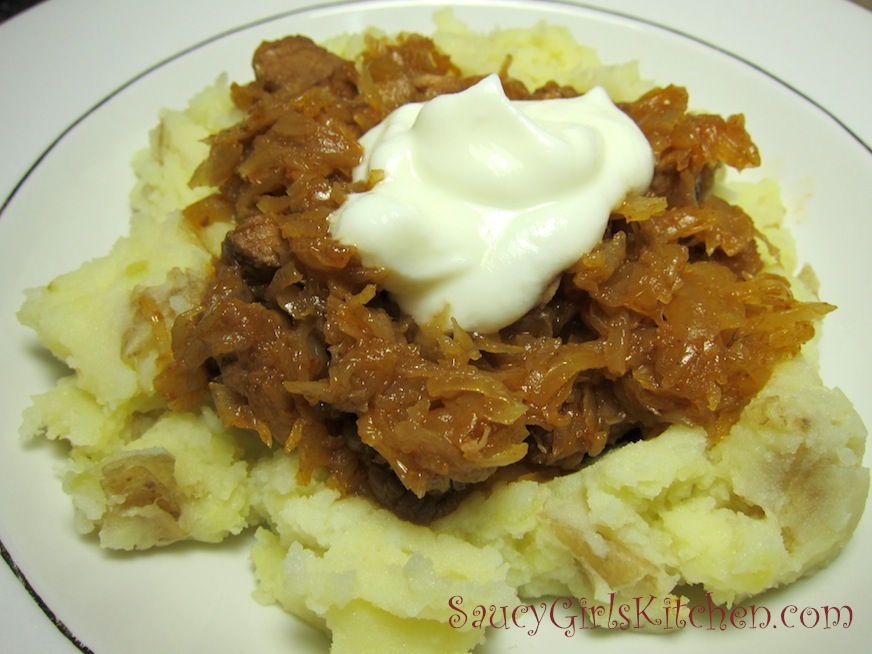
(573, 615)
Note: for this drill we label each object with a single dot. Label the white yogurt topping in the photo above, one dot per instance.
(485, 201)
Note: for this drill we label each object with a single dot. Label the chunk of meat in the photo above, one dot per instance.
(259, 247)
(294, 64)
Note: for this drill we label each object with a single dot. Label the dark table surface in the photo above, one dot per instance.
(9, 8)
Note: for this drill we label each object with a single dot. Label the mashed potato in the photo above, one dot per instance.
(774, 501)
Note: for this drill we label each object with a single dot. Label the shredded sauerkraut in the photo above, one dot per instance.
(671, 319)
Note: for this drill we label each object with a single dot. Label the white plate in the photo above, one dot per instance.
(72, 204)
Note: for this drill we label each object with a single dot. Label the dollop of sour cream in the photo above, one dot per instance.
(484, 201)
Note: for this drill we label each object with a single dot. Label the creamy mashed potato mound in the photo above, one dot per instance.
(775, 500)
